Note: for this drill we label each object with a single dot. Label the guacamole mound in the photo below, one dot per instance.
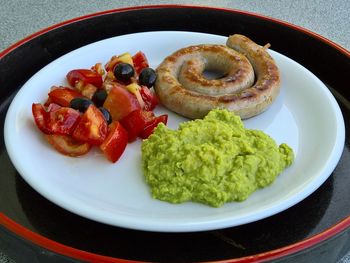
(212, 160)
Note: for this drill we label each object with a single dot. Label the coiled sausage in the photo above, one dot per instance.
(249, 83)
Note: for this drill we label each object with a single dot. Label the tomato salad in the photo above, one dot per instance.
(105, 107)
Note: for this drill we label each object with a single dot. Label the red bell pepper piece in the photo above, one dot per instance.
(87, 76)
(135, 122)
(115, 142)
(57, 120)
(63, 96)
(61, 120)
(150, 126)
(40, 117)
(140, 62)
(149, 98)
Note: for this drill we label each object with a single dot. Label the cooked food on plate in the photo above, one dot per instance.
(212, 160)
(105, 107)
(247, 79)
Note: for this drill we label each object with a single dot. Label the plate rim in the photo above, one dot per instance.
(273, 254)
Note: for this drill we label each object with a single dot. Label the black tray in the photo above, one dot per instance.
(32, 229)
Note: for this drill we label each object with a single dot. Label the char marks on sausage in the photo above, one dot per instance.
(249, 82)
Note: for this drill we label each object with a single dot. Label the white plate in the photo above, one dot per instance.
(305, 115)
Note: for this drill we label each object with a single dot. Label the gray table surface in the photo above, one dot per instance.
(20, 18)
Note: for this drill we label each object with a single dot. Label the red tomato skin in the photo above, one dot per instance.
(149, 98)
(135, 122)
(62, 120)
(57, 120)
(115, 143)
(92, 127)
(52, 107)
(40, 117)
(149, 128)
(63, 96)
(85, 75)
(66, 145)
(120, 103)
(140, 62)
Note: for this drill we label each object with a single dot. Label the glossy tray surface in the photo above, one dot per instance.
(320, 211)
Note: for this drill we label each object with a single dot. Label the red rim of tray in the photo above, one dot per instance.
(83, 255)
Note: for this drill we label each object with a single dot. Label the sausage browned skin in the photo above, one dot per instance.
(267, 75)
(182, 88)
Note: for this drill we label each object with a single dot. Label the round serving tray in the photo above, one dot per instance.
(34, 229)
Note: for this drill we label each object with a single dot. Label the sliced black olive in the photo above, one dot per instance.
(106, 114)
(124, 72)
(147, 77)
(80, 104)
(99, 97)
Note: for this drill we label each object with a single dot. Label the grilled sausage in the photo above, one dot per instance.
(182, 88)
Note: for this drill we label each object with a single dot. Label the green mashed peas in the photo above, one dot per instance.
(212, 160)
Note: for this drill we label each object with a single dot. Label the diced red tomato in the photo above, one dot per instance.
(120, 102)
(63, 96)
(149, 128)
(62, 120)
(66, 145)
(87, 76)
(140, 123)
(140, 62)
(57, 120)
(135, 122)
(92, 127)
(73, 133)
(115, 142)
(52, 107)
(40, 116)
(149, 98)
